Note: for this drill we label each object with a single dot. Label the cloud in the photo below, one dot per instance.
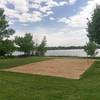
(71, 2)
(49, 13)
(60, 37)
(20, 5)
(80, 19)
(65, 36)
(64, 20)
(52, 18)
(34, 17)
(62, 3)
(49, 5)
(21, 11)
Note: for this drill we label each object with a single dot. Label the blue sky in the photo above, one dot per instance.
(63, 22)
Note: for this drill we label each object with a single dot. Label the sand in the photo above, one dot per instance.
(67, 68)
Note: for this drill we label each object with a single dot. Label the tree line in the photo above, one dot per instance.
(24, 44)
(68, 48)
(65, 48)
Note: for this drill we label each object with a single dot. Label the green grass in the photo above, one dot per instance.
(12, 62)
(17, 86)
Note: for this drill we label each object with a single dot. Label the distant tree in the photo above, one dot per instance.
(94, 26)
(25, 44)
(5, 31)
(90, 49)
(41, 49)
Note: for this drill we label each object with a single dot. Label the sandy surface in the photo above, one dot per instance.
(67, 68)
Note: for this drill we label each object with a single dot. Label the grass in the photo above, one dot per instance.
(12, 62)
(17, 86)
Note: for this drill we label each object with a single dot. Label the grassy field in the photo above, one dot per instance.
(12, 62)
(16, 86)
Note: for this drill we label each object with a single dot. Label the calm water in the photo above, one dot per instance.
(74, 52)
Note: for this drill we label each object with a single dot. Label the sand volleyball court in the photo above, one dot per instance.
(67, 68)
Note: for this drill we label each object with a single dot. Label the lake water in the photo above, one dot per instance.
(74, 52)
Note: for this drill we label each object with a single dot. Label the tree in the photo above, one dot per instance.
(41, 49)
(90, 49)
(6, 47)
(5, 31)
(94, 26)
(25, 44)
(5, 44)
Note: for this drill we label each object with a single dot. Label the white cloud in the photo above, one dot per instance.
(61, 37)
(20, 5)
(49, 13)
(22, 8)
(64, 20)
(49, 5)
(71, 2)
(12, 13)
(80, 19)
(34, 17)
(52, 18)
(34, 5)
(63, 3)
(20, 12)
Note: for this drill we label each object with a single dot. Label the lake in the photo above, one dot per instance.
(73, 52)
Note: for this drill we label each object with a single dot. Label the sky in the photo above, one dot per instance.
(63, 22)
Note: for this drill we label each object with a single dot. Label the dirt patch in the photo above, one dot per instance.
(67, 68)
